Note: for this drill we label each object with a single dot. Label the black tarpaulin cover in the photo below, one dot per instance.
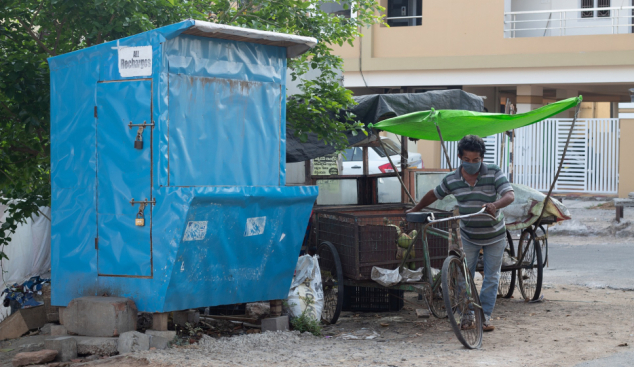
(372, 108)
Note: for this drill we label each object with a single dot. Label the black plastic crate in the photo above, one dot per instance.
(364, 299)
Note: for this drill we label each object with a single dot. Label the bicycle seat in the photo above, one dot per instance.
(420, 217)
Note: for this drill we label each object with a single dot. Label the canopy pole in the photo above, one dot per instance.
(397, 173)
(444, 149)
(561, 163)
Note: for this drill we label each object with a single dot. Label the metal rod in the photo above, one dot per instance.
(397, 173)
(444, 149)
(561, 163)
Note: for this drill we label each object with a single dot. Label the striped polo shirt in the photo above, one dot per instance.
(490, 185)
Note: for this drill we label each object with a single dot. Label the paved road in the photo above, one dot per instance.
(597, 264)
(593, 262)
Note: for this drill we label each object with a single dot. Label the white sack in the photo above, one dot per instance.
(306, 285)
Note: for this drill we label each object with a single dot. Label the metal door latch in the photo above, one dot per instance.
(140, 218)
(138, 142)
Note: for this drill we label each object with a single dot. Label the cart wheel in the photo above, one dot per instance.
(507, 278)
(542, 233)
(464, 311)
(331, 280)
(530, 267)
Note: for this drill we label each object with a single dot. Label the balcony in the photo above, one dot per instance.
(591, 19)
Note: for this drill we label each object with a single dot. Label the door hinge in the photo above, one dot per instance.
(95, 111)
(96, 243)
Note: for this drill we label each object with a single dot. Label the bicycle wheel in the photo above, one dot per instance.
(331, 281)
(437, 304)
(531, 267)
(464, 312)
(542, 236)
(507, 278)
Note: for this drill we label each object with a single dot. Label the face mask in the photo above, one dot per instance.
(471, 168)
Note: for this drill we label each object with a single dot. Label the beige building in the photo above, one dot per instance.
(528, 52)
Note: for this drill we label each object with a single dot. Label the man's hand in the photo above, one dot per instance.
(412, 210)
(490, 208)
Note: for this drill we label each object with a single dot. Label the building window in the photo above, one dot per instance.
(404, 13)
(336, 8)
(588, 4)
(603, 13)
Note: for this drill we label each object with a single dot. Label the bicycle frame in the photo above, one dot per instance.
(446, 235)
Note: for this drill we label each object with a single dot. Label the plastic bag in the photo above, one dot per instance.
(385, 277)
(306, 285)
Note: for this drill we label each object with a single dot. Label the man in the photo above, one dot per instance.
(477, 185)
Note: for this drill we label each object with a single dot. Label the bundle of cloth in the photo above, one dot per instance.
(524, 211)
(24, 293)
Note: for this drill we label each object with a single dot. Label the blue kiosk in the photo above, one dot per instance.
(168, 169)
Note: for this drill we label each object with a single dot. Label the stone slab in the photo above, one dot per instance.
(133, 341)
(169, 334)
(58, 330)
(100, 316)
(158, 342)
(29, 358)
(66, 347)
(623, 202)
(94, 345)
(22, 321)
(279, 323)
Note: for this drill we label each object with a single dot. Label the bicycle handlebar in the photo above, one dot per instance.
(481, 212)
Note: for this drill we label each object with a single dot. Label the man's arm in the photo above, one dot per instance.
(503, 202)
(428, 199)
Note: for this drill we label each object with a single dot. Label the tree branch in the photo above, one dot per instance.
(34, 36)
(15, 117)
(25, 150)
(59, 32)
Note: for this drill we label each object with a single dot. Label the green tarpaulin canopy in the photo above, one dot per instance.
(455, 124)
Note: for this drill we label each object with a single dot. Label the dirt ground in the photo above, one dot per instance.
(573, 324)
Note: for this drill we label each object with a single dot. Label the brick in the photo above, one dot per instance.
(100, 316)
(159, 321)
(133, 341)
(279, 323)
(39, 357)
(66, 347)
(169, 334)
(94, 345)
(190, 316)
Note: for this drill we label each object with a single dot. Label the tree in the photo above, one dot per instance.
(33, 30)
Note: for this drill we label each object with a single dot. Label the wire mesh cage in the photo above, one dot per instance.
(365, 238)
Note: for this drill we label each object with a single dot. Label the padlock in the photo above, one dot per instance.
(138, 143)
(139, 221)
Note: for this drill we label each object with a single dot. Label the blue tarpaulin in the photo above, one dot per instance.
(189, 121)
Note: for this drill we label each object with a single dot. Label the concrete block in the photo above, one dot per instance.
(66, 347)
(159, 321)
(58, 330)
(279, 323)
(169, 334)
(39, 357)
(158, 342)
(100, 316)
(190, 316)
(422, 313)
(133, 341)
(22, 321)
(94, 345)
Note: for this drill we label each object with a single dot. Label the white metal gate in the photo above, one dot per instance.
(591, 164)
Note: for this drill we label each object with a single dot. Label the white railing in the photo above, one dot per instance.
(567, 22)
(591, 164)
